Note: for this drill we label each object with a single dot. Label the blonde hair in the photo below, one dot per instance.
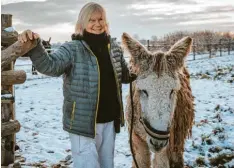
(85, 15)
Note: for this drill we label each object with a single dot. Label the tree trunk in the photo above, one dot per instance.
(13, 77)
(9, 128)
(16, 50)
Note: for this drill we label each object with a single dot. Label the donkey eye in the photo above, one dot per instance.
(144, 92)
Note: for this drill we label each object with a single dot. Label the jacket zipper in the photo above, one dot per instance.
(73, 114)
(98, 90)
(117, 83)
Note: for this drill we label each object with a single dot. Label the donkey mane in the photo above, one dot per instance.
(184, 114)
(160, 64)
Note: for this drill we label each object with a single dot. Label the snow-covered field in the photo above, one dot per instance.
(43, 142)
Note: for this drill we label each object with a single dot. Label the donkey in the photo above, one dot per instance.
(163, 104)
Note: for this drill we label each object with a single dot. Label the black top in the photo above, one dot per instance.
(109, 108)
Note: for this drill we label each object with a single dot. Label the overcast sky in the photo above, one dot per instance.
(56, 18)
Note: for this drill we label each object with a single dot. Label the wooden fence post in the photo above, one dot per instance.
(10, 52)
(7, 107)
(209, 49)
(194, 50)
(148, 45)
(7, 38)
(220, 47)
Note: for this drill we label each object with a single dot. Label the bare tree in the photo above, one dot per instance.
(154, 40)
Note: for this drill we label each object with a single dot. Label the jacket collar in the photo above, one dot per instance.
(80, 37)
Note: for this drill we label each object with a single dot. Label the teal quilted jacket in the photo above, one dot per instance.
(79, 67)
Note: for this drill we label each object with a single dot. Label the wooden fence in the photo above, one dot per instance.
(11, 49)
(203, 50)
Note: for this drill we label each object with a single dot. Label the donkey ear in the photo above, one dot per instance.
(138, 52)
(177, 53)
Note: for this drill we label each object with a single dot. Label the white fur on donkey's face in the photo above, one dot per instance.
(157, 99)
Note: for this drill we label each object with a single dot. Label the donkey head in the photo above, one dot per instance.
(157, 84)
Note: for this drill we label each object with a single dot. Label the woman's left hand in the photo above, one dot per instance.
(132, 76)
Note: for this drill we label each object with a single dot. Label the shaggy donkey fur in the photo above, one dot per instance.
(171, 63)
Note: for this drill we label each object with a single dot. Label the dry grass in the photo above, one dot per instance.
(221, 159)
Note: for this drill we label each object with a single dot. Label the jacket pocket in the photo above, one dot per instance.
(72, 114)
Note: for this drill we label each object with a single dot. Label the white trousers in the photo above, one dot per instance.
(94, 153)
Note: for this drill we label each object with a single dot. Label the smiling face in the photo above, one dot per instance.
(96, 23)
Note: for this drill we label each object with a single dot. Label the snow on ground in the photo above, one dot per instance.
(43, 142)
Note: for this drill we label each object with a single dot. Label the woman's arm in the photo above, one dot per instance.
(127, 76)
(125, 70)
(53, 64)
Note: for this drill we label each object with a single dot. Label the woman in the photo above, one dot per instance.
(93, 69)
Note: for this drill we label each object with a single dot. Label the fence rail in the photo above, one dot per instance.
(212, 49)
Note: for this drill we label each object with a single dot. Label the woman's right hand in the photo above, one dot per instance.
(27, 35)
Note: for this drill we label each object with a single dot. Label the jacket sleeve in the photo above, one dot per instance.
(125, 71)
(53, 64)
